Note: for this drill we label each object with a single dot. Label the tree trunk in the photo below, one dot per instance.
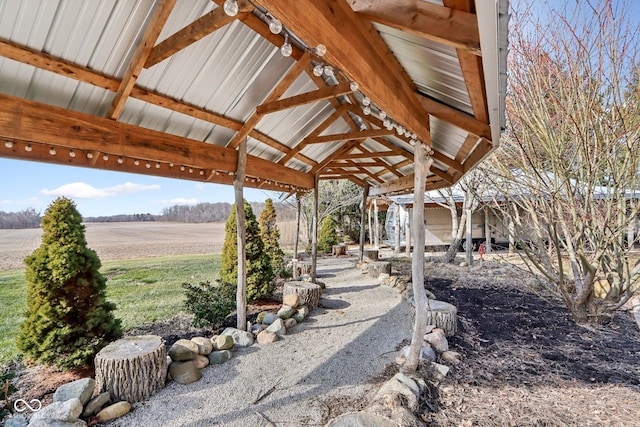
(309, 293)
(376, 225)
(314, 242)
(407, 233)
(297, 238)
(422, 165)
(241, 291)
(469, 241)
(132, 368)
(397, 233)
(454, 247)
(365, 195)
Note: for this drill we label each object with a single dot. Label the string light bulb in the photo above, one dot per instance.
(52, 151)
(230, 7)
(120, 160)
(318, 70)
(275, 26)
(328, 71)
(366, 101)
(321, 50)
(28, 148)
(286, 49)
(366, 110)
(354, 86)
(383, 115)
(105, 157)
(72, 153)
(8, 144)
(136, 162)
(89, 155)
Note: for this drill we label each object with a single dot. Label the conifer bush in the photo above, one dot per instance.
(68, 318)
(328, 235)
(208, 303)
(259, 271)
(270, 235)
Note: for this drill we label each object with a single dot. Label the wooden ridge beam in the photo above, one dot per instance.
(346, 147)
(366, 155)
(355, 47)
(321, 94)
(44, 124)
(151, 33)
(357, 135)
(455, 28)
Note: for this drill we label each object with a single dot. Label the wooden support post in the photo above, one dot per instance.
(469, 244)
(314, 237)
(422, 165)
(397, 233)
(487, 231)
(407, 232)
(297, 238)
(238, 185)
(365, 195)
(370, 227)
(376, 225)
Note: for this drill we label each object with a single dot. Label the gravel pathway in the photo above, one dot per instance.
(336, 352)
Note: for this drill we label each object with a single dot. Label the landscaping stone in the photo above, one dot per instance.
(48, 422)
(292, 300)
(114, 411)
(16, 421)
(201, 361)
(286, 312)
(81, 389)
(304, 310)
(240, 338)
(277, 327)
(96, 404)
(290, 323)
(67, 411)
(257, 328)
(438, 340)
(452, 357)
(223, 342)
(299, 317)
(361, 419)
(267, 337)
(440, 370)
(261, 315)
(205, 346)
(185, 372)
(269, 318)
(403, 386)
(219, 357)
(426, 353)
(183, 350)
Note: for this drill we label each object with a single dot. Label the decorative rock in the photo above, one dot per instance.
(290, 323)
(48, 422)
(463, 264)
(257, 328)
(261, 315)
(299, 317)
(429, 329)
(426, 353)
(286, 311)
(201, 361)
(183, 350)
(267, 337)
(67, 411)
(219, 357)
(185, 372)
(304, 310)
(269, 318)
(403, 386)
(277, 327)
(96, 404)
(452, 357)
(361, 419)
(16, 421)
(240, 338)
(205, 346)
(114, 411)
(383, 278)
(81, 389)
(438, 340)
(441, 371)
(223, 342)
(291, 300)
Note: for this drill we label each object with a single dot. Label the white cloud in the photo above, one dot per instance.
(26, 202)
(130, 187)
(82, 190)
(177, 201)
(78, 190)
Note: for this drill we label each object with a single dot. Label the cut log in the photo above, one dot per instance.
(308, 293)
(371, 254)
(375, 269)
(339, 250)
(444, 316)
(132, 368)
(301, 268)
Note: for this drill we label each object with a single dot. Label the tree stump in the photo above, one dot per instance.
(301, 268)
(370, 254)
(339, 250)
(309, 293)
(132, 368)
(375, 269)
(444, 316)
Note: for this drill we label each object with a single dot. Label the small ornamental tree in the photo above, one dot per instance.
(328, 235)
(270, 236)
(259, 271)
(68, 319)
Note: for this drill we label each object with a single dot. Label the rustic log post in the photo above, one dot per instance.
(397, 234)
(375, 269)
(238, 185)
(339, 250)
(314, 237)
(376, 225)
(407, 233)
(309, 293)
(295, 240)
(132, 368)
(444, 316)
(421, 166)
(365, 195)
(370, 255)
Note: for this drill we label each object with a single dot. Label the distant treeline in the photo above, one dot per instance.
(200, 213)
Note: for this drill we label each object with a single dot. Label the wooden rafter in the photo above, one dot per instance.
(445, 25)
(143, 51)
(349, 135)
(321, 94)
(346, 147)
(455, 117)
(356, 48)
(366, 155)
(454, 164)
(468, 144)
(442, 174)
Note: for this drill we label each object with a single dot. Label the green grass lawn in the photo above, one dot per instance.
(144, 291)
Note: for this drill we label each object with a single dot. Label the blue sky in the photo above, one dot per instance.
(98, 192)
